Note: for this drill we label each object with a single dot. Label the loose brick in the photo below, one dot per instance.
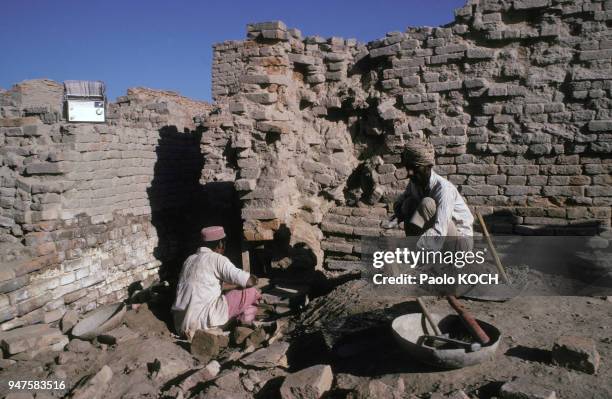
(30, 338)
(577, 353)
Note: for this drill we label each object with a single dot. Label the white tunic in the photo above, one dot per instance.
(449, 204)
(199, 303)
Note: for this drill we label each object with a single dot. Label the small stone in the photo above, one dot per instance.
(79, 346)
(387, 111)
(229, 380)
(309, 383)
(240, 334)
(346, 382)
(169, 368)
(272, 356)
(576, 353)
(522, 389)
(65, 358)
(94, 387)
(69, 320)
(248, 384)
(207, 344)
(257, 338)
(118, 335)
(224, 340)
(210, 371)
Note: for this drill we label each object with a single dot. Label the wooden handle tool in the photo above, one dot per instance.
(498, 263)
(428, 317)
(469, 321)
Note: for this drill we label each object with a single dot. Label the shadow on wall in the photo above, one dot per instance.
(181, 205)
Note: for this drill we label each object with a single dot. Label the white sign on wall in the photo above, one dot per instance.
(86, 111)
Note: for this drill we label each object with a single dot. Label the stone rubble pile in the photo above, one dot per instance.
(243, 362)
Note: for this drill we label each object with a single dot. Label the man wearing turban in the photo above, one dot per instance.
(431, 207)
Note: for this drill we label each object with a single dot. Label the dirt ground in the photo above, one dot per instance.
(349, 328)
(529, 327)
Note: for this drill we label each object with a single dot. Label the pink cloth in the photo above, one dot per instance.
(212, 233)
(241, 304)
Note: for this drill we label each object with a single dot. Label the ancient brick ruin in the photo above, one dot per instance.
(514, 95)
(306, 134)
(85, 206)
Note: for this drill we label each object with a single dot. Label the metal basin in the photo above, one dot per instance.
(99, 321)
(407, 330)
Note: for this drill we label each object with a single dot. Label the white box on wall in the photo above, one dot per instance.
(86, 111)
(85, 100)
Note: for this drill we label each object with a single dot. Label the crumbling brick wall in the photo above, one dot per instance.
(515, 96)
(87, 209)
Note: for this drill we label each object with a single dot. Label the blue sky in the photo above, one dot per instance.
(168, 44)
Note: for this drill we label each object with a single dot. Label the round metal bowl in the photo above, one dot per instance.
(99, 321)
(408, 329)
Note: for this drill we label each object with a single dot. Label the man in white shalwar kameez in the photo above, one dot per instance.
(199, 303)
(431, 207)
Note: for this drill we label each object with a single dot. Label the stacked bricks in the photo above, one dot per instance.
(280, 152)
(343, 227)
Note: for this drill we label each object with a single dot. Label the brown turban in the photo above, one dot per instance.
(419, 152)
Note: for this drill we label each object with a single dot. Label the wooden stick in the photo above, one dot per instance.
(469, 321)
(498, 263)
(428, 316)
(246, 261)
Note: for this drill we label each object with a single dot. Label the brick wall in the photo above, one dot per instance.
(515, 96)
(306, 133)
(87, 209)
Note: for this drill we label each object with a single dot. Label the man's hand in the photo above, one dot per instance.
(391, 224)
(430, 243)
(252, 281)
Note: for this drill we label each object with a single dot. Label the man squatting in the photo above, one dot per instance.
(199, 303)
(431, 206)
